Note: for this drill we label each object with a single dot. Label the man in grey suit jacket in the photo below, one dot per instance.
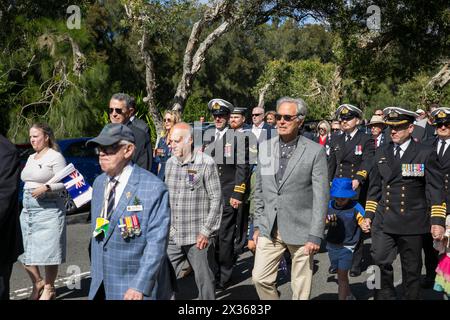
(291, 200)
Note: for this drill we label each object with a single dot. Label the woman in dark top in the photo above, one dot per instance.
(163, 151)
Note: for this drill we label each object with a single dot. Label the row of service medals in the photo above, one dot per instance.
(129, 226)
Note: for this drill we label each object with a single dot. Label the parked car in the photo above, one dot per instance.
(76, 152)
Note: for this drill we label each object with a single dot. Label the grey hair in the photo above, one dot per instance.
(299, 102)
(129, 101)
(125, 142)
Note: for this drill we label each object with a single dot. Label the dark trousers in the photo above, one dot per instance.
(384, 251)
(5, 275)
(431, 256)
(359, 252)
(100, 295)
(225, 244)
(241, 228)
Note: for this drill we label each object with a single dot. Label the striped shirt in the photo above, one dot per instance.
(195, 198)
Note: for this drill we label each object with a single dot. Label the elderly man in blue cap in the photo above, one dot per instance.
(130, 223)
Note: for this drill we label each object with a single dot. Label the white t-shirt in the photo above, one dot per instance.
(38, 172)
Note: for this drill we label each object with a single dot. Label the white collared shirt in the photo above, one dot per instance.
(123, 178)
(352, 135)
(256, 130)
(447, 142)
(403, 147)
(221, 132)
(379, 140)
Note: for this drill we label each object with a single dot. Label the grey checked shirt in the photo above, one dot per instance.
(195, 198)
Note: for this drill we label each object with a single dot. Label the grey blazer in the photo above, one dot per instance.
(299, 203)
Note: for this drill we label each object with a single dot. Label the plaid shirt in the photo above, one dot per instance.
(195, 198)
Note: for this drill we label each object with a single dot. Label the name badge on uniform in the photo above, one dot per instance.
(227, 150)
(138, 207)
(358, 150)
(413, 169)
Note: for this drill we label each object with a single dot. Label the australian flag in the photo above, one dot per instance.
(80, 191)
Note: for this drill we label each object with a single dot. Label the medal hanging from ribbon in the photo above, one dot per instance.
(123, 228)
(136, 225)
(129, 226)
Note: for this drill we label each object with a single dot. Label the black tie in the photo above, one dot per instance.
(397, 153)
(111, 197)
(348, 138)
(442, 149)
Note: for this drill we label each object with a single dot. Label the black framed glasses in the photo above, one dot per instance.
(117, 110)
(286, 117)
(108, 150)
(256, 114)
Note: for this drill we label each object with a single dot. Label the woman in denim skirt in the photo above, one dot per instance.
(43, 219)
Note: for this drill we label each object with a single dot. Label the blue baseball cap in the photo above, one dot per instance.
(342, 188)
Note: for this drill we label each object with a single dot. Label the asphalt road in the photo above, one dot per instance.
(73, 278)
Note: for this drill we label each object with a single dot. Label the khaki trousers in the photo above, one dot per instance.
(267, 259)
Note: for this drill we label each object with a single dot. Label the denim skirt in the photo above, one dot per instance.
(43, 223)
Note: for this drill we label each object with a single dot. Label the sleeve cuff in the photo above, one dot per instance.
(314, 239)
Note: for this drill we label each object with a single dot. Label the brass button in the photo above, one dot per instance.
(352, 176)
(401, 210)
(388, 186)
(387, 200)
(402, 203)
(353, 165)
(446, 181)
(387, 193)
(387, 208)
(340, 176)
(403, 195)
(403, 188)
(340, 164)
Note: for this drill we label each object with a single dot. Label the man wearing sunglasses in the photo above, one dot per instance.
(130, 224)
(291, 199)
(121, 111)
(441, 121)
(233, 173)
(405, 186)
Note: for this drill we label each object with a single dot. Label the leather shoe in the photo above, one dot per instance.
(355, 272)
(427, 283)
(332, 270)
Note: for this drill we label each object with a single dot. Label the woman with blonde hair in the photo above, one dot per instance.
(43, 219)
(323, 132)
(163, 151)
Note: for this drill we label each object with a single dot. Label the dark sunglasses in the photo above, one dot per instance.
(347, 119)
(108, 150)
(286, 117)
(118, 110)
(167, 120)
(335, 129)
(256, 114)
(443, 124)
(400, 127)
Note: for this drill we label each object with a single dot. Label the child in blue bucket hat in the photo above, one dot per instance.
(345, 218)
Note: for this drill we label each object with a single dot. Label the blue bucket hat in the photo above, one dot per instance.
(342, 188)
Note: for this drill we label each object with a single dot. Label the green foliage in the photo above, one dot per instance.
(307, 79)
